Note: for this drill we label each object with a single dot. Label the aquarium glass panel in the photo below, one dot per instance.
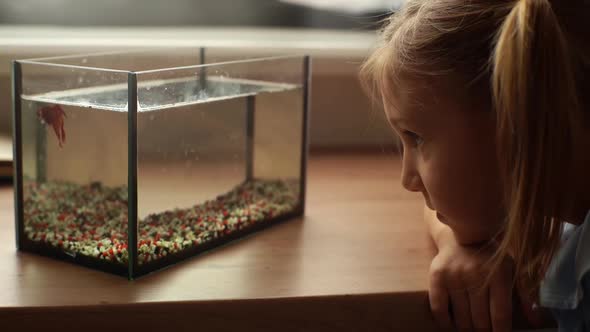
(74, 164)
(208, 152)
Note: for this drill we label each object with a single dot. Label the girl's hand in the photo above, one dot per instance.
(456, 297)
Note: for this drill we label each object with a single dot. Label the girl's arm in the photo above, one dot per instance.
(454, 273)
(453, 266)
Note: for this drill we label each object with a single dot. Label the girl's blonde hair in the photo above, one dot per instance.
(527, 60)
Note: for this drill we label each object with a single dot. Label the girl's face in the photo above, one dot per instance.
(449, 155)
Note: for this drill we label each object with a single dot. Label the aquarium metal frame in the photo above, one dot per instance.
(250, 109)
(132, 221)
(305, 128)
(17, 88)
(134, 270)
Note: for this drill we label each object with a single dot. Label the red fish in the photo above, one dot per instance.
(54, 116)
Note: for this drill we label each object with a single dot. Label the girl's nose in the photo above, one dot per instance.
(412, 182)
(410, 177)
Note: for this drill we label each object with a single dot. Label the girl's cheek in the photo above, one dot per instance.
(449, 196)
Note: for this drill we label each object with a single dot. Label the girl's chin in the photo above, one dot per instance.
(466, 235)
(472, 238)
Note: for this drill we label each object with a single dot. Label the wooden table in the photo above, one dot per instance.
(358, 261)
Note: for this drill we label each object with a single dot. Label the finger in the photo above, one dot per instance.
(479, 304)
(501, 304)
(439, 303)
(461, 311)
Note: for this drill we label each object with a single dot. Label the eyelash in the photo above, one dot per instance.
(415, 138)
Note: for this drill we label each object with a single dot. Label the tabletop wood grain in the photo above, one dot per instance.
(357, 261)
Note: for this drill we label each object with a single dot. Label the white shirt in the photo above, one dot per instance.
(566, 286)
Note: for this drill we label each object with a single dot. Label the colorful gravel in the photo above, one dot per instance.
(91, 220)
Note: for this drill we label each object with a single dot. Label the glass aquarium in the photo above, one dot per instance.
(130, 162)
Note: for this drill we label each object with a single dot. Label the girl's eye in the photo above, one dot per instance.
(415, 138)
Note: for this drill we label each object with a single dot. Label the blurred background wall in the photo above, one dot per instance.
(338, 34)
(225, 13)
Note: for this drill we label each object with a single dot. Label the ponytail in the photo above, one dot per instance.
(535, 99)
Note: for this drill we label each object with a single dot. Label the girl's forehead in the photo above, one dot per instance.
(409, 101)
(430, 109)
(416, 96)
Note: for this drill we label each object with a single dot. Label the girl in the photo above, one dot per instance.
(491, 103)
